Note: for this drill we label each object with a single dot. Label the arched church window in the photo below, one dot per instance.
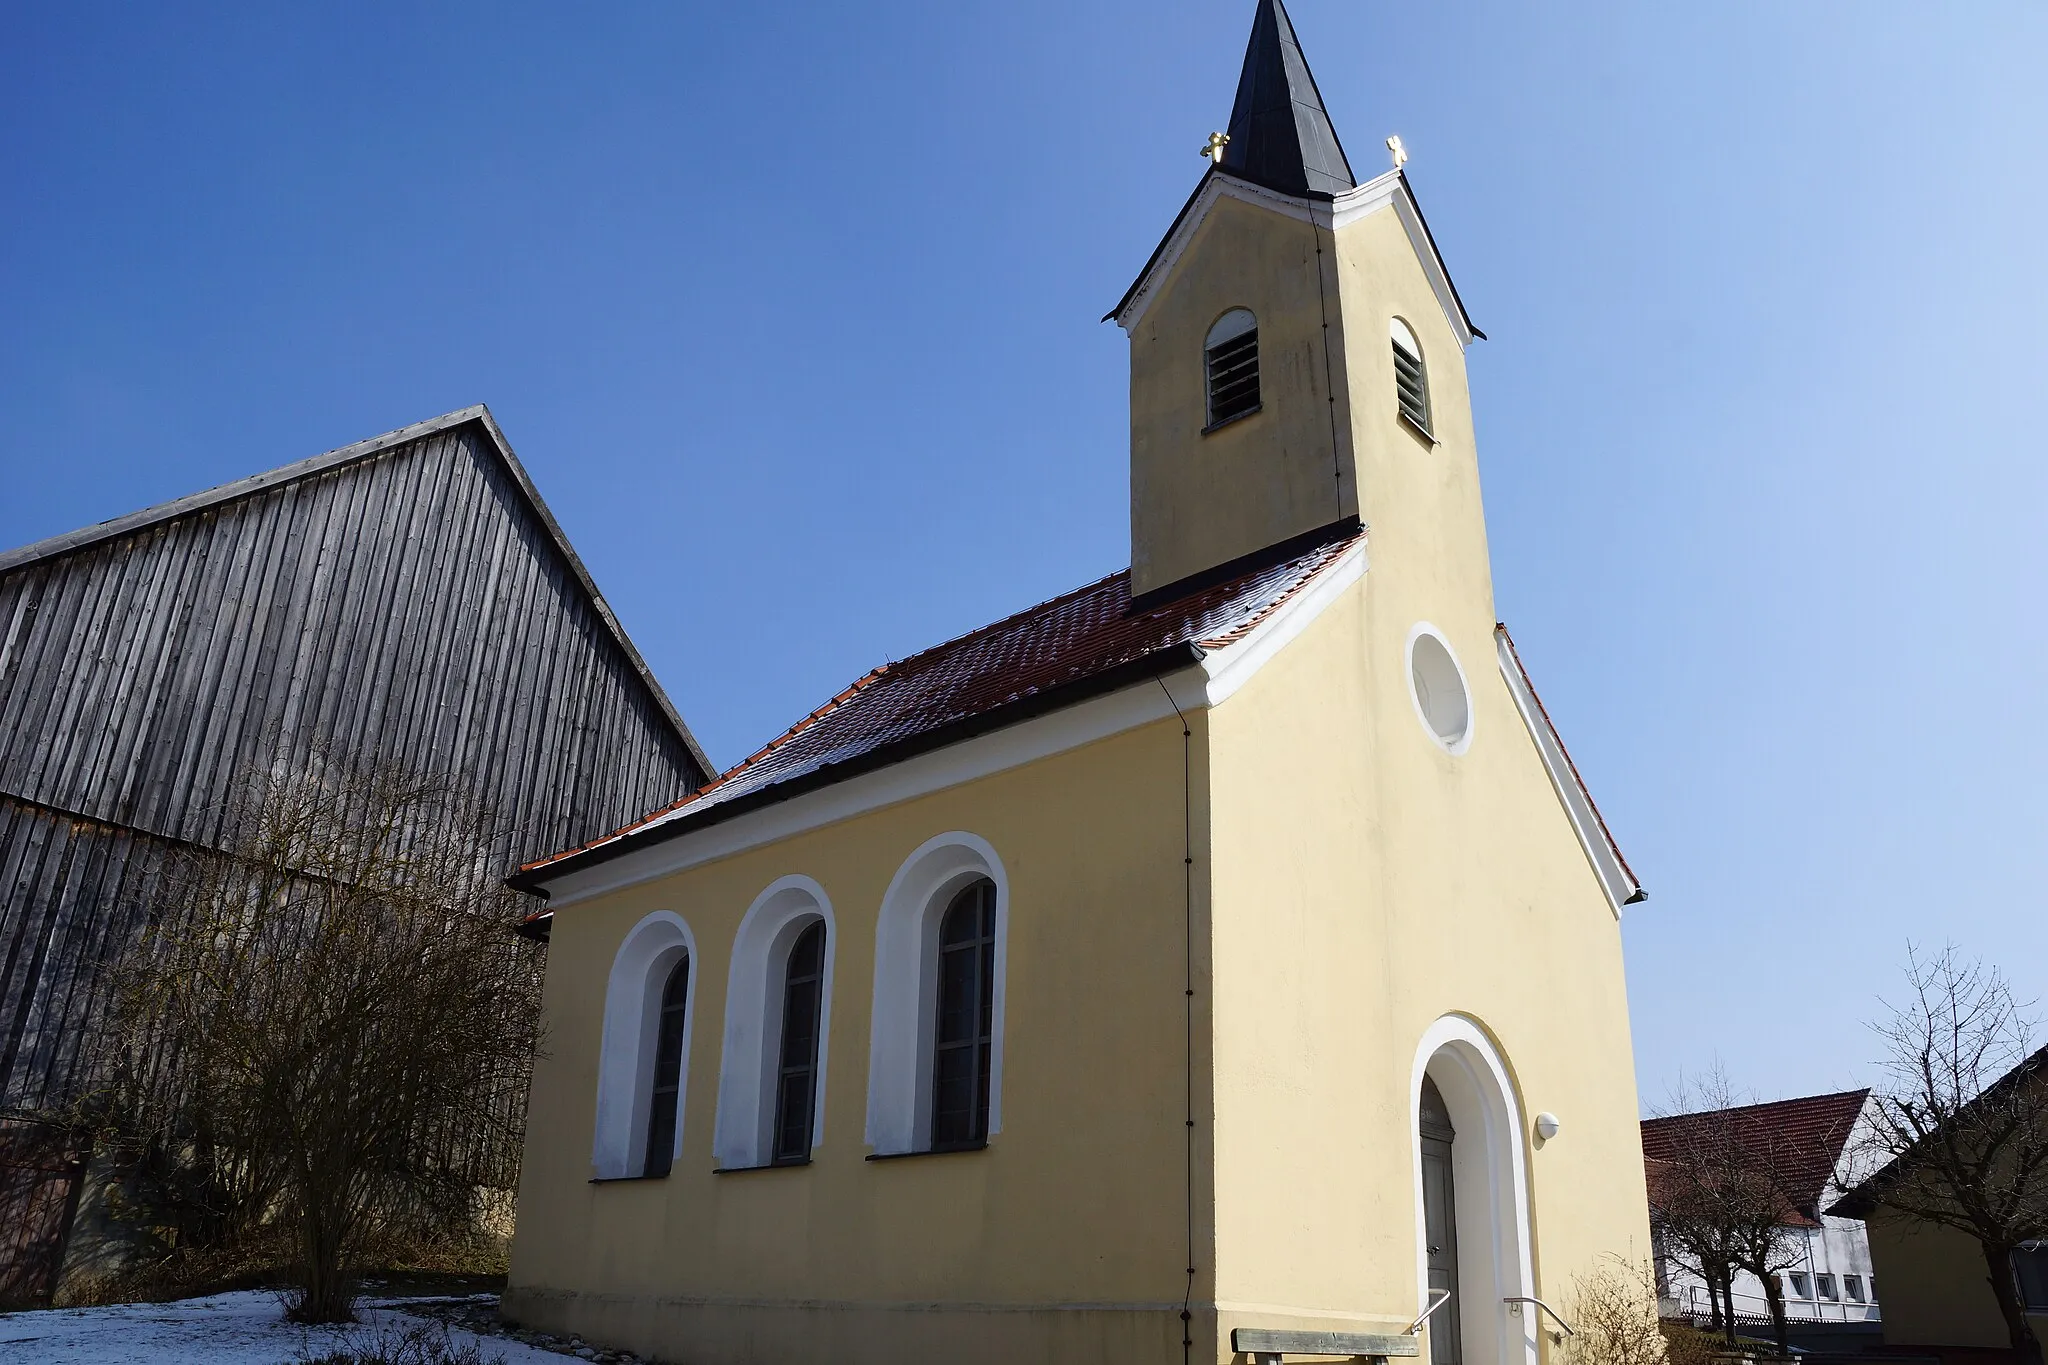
(668, 1069)
(963, 1027)
(796, 1088)
(1411, 382)
(1231, 358)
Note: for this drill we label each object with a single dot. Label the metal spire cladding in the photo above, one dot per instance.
(1280, 134)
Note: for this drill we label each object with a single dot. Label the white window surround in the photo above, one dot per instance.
(1234, 323)
(906, 973)
(744, 1132)
(1489, 1170)
(1461, 737)
(632, 1022)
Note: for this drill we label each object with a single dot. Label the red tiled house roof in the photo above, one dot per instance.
(1806, 1137)
(1075, 646)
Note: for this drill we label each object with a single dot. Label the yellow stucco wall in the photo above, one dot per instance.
(1366, 884)
(1199, 500)
(1931, 1285)
(1079, 1202)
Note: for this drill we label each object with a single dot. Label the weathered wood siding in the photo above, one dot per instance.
(412, 605)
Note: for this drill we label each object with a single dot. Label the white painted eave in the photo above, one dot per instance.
(1602, 852)
(1214, 680)
(1389, 191)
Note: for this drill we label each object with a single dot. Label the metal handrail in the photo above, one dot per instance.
(1519, 1299)
(1429, 1310)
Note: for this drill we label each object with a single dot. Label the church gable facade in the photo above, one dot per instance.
(1219, 955)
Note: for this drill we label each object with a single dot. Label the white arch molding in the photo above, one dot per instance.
(632, 1021)
(906, 973)
(743, 1135)
(1489, 1170)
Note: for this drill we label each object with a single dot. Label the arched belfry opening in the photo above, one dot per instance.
(1473, 1240)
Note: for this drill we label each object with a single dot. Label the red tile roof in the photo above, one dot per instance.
(1807, 1135)
(1047, 654)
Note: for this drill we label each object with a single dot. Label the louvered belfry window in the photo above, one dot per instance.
(1411, 386)
(1231, 354)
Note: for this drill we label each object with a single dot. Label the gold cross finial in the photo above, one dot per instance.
(1400, 152)
(1213, 148)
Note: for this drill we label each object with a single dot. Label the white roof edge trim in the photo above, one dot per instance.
(1389, 190)
(1197, 687)
(1231, 667)
(1613, 873)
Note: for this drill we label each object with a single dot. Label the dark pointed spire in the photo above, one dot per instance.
(1280, 135)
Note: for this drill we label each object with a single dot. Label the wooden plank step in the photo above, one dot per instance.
(1264, 1341)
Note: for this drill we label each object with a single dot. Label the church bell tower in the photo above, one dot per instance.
(1297, 353)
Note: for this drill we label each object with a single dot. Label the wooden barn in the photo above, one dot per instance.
(407, 598)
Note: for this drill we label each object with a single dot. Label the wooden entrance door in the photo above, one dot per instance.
(1440, 1225)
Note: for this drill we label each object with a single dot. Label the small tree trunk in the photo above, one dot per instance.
(1998, 1260)
(1775, 1297)
(1714, 1323)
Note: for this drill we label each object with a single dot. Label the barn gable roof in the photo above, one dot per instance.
(495, 443)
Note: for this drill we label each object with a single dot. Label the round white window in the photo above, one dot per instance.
(1438, 686)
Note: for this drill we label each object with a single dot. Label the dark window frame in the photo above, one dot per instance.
(796, 1055)
(665, 1077)
(963, 1029)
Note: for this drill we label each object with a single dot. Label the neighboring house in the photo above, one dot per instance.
(1815, 1139)
(1225, 947)
(408, 598)
(1938, 1291)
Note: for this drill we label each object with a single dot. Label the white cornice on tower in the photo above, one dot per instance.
(1387, 191)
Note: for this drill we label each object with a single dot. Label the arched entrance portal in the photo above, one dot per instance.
(1471, 1199)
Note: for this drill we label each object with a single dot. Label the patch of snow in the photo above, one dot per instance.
(243, 1328)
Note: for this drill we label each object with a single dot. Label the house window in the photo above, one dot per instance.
(1802, 1285)
(796, 1078)
(2030, 1268)
(963, 1027)
(1231, 363)
(1825, 1287)
(668, 1069)
(1852, 1285)
(1411, 383)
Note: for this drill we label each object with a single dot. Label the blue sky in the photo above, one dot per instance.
(791, 312)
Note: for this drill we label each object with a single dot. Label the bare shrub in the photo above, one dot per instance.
(419, 1343)
(329, 1029)
(1613, 1310)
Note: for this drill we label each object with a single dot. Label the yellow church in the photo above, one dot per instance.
(1219, 962)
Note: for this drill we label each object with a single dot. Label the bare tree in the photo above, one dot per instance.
(1722, 1195)
(334, 1021)
(1964, 1118)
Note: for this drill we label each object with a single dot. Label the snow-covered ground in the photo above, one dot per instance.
(246, 1328)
